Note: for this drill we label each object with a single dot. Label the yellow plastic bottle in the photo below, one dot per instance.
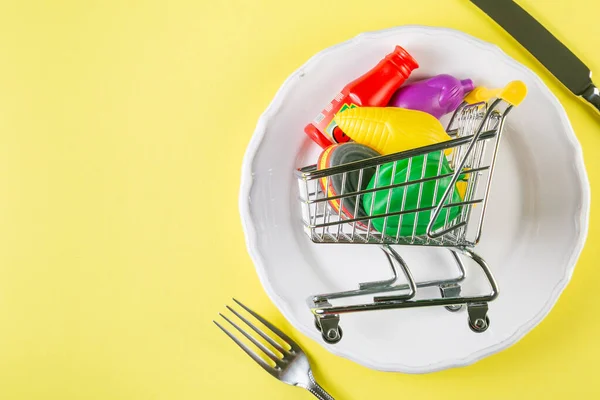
(389, 130)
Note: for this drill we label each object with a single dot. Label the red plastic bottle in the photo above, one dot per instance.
(374, 89)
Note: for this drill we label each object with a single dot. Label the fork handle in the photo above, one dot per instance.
(317, 390)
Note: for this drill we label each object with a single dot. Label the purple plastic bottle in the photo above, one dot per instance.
(437, 96)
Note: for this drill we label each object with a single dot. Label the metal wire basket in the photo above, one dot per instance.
(439, 200)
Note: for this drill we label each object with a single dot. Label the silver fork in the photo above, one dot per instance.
(293, 368)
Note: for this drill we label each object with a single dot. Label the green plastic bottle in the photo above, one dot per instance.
(379, 199)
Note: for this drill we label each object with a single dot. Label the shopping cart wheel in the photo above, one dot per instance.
(478, 319)
(329, 328)
(480, 325)
(451, 290)
(333, 335)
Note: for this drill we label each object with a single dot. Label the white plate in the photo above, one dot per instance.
(534, 230)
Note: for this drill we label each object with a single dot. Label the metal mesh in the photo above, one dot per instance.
(422, 197)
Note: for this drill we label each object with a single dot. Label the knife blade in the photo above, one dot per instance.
(548, 50)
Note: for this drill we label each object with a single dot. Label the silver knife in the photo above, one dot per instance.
(554, 55)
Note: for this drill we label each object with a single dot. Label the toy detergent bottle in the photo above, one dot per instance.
(375, 88)
(437, 96)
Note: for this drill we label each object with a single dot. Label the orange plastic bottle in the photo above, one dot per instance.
(375, 89)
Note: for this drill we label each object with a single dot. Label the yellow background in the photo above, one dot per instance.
(122, 130)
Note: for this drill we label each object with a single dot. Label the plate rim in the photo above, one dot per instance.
(250, 233)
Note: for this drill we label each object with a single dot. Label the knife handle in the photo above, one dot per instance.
(592, 95)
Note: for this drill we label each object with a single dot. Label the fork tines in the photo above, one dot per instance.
(279, 361)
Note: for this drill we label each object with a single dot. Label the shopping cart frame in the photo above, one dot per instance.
(473, 127)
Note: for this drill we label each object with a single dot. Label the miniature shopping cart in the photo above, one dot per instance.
(453, 218)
